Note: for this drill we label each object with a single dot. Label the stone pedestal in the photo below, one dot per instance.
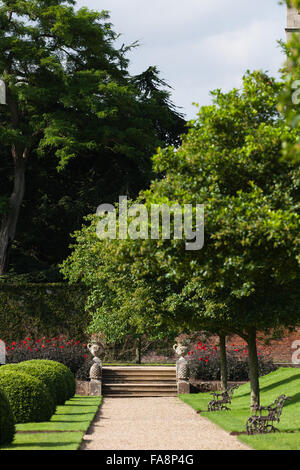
(96, 349)
(95, 388)
(183, 387)
(183, 376)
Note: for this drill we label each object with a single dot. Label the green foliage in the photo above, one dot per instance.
(238, 368)
(67, 379)
(119, 303)
(43, 309)
(247, 274)
(289, 100)
(283, 381)
(64, 431)
(59, 369)
(293, 3)
(29, 398)
(52, 377)
(7, 425)
(71, 101)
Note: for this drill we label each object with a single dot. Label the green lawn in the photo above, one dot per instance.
(284, 380)
(64, 431)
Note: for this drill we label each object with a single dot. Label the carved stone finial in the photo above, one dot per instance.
(96, 349)
(96, 371)
(180, 349)
(182, 368)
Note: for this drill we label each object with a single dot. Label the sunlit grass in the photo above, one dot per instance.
(283, 381)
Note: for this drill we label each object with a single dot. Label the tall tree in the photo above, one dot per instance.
(290, 97)
(246, 277)
(68, 95)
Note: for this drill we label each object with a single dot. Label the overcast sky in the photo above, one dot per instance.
(199, 45)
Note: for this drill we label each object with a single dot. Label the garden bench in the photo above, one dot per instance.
(221, 399)
(265, 416)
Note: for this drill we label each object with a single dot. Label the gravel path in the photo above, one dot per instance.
(161, 423)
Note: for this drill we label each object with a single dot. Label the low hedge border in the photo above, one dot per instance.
(29, 397)
(64, 431)
(64, 372)
(7, 425)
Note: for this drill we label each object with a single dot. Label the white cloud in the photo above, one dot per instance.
(199, 45)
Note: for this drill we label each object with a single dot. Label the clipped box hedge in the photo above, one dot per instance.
(29, 397)
(56, 376)
(32, 309)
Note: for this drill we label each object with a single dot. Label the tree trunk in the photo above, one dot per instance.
(9, 220)
(19, 156)
(223, 362)
(253, 368)
(138, 351)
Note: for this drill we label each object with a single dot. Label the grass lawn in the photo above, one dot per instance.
(64, 431)
(284, 380)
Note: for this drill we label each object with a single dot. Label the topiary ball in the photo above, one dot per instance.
(7, 425)
(50, 376)
(63, 373)
(29, 398)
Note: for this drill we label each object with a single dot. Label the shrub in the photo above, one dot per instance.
(7, 425)
(62, 372)
(52, 377)
(29, 398)
(205, 364)
(71, 353)
(35, 307)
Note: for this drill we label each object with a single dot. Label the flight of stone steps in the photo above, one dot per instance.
(134, 381)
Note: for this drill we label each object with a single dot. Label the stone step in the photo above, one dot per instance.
(126, 394)
(139, 381)
(137, 378)
(140, 370)
(139, 390)
(139, 386)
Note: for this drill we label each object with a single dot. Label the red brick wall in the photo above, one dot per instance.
(280, 350)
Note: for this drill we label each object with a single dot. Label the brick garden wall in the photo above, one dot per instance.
(280, 349)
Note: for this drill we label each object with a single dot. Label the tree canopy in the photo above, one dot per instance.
(289, 100)
(246, 277)
(70, 96)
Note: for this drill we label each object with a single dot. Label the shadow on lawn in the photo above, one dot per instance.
(294, 399)
(274, 385)
(82, 405)
(73, 414)
(240, 433)
(28, 445)
(65, 421)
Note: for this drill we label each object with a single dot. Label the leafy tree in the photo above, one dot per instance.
(289, 100)
(246, 277)
(68, 95)
(121, 303)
